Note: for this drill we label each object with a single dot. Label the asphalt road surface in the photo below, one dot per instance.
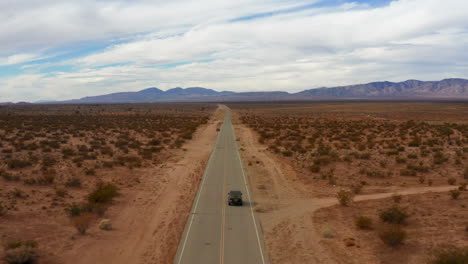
(216, 232)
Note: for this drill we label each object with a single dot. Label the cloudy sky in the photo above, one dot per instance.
(56, 49)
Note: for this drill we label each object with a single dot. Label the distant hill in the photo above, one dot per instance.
(448, 88)
(411, 89)
(151, 95)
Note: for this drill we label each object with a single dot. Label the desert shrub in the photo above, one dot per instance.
(396, 198)
(73, 182)
(452, 181)
(155, 142)
(356, 188)
(449, 255)
(393, 235)
(363, 222)
(287, 153)
(103, 193)
(455, 194)
(82, 222)
(439, 158)
(328, 233)
(21, 252)
(400, 159)
(2, 210)
(462, 186)
(18, 193)
(344, 197)
(9, 177)
(43, 180)
(75, 210)
(18, 163)
(315, 168)
(90, 171)
(108, 164)
(67, 152)
(61, 192)
(48, 161)
(394, 215)
(422, 179)
(405, 172)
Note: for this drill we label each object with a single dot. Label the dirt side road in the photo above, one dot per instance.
(149, 222)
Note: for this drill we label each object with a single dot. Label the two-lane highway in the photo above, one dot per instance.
(216, 232)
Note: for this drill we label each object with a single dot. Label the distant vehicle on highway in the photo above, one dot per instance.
(235, 198)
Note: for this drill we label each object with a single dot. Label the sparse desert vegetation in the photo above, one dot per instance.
(365, 144)
(351, 163)
(61, 166)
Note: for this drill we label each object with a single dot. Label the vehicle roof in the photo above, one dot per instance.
(235, 193)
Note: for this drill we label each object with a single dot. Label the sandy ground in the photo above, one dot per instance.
(286, 204)
(149, 221)
(435, 219)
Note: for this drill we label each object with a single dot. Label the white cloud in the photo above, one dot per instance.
(327, 46)
(18, 58)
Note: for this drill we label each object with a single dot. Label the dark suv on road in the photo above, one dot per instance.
(235, 198)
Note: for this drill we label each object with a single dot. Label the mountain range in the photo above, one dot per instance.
(447, 89)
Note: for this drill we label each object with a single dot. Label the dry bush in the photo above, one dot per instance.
(18, 163)
(73, 182)
(455, 194)
(396, 197)
(392, 235)
(21, 252)
(345, 197)
(363, 222)
(103, 193)
(394, 215)
(82, 222)
(2, 210)
(452, 180)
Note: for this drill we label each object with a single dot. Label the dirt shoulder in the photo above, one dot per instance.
(286, 205)
(149, 221)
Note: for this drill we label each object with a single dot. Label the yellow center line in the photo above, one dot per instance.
(223, 207)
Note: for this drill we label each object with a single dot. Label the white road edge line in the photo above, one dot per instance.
(198, 197)
(248, 194)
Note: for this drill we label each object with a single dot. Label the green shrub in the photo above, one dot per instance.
(74, 210)
(449, 255)
(103, 193)
(363, 222)
(394, 215)
(393, 235)
(344, 197)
